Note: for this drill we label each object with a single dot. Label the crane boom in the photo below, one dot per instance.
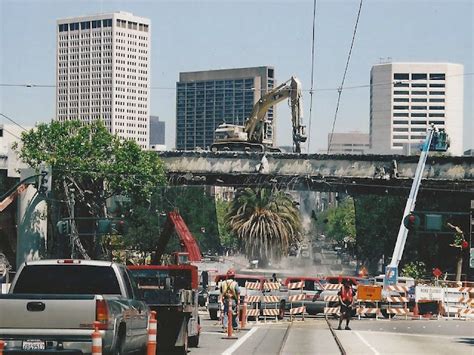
(253, 135)
(391, 274)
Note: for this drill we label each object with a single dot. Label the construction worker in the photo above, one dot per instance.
(346, 302)
(230, 297)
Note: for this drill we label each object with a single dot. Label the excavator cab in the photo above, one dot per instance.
(180, 258)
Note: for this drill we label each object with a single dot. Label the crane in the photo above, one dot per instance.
(253, 135)
(436, 140)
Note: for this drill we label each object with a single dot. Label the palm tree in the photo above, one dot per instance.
(266, 222)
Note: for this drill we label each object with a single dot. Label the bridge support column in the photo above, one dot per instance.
(31, 224)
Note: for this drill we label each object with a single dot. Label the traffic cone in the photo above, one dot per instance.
(229, 324)
(243, 316)
(96, 340)
(416, 312)
(152, 332)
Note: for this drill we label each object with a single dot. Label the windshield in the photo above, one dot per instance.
(162, 279)
(67, 279)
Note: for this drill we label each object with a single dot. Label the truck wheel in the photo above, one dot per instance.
(213, 314)
(281, 314)
(183, 349)
(386, 314)
(193, 341)
(120, 346)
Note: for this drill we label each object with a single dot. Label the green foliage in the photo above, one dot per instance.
(266, 222)
(415, 269)
(341, 221)
(92, 158)
(95, 163)
(228, 240)
(195, 205)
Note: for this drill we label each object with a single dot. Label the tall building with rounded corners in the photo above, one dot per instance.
(103, 72)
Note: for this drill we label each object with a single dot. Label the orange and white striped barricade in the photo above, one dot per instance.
(152, 333)
(362, 310)
(333, 287)
(271, 286)
(96, 340)
(335, 310)
(300, 297)
(273, 311)
(402, 289)
(251, 306)
(458, 302)
(252, 285)
(367, 297)
(397, 311)
(296, 297)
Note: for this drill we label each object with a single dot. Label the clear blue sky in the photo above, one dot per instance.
(201, 35)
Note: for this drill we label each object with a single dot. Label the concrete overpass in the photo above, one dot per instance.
(364, 174)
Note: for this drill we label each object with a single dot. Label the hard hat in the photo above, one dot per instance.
(230, 273)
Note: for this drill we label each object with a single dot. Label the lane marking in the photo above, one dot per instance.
(367, 344)
(423, 335)
(239, 342)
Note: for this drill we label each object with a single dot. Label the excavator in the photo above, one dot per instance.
(254, 135)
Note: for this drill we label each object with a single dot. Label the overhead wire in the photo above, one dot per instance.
(312, 76)
(13, 121)
(344, 76)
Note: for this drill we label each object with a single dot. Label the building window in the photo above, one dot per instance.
(401, 99)
(419, 76)
(96, 24)
(418, 115)
(398, 92)
(418, 122)
(107, 23)
(436, 100)
(437, 85)
(436, 107)
(400, 114)
(418, 85)
(401, 85)
(418, 100)
(436, 92)
(437, 76)
(418, 92)
(436, 115)
(398, 136)
(401, 76)
(85, 25)
(418, 107)
(73, 26)
(400, 122)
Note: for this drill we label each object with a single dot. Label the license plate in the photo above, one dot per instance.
(29, 345)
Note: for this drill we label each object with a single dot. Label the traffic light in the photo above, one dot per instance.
(118, 227)
(104, 226)
(44, 183)
(63, 227)
(411, 221)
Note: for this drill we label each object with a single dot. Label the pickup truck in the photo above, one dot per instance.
(52, 306)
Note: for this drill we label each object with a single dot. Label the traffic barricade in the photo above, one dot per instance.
(367, 298)
(251, 303)
(271, 286)
(271, 311)
(296, 297)
(96, 340)
(334, 310)
(398, 306)
(333, 287)
(428, 301)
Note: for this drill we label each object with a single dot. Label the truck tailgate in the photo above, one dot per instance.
(47, 311)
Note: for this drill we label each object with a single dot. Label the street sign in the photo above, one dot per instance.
(391, 276)
(428, 293)
(369, 293)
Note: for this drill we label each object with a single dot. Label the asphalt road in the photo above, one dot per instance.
(313, 336)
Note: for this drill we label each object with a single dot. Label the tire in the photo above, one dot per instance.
(193, 341)
(213, 314)
(120, 346)
(281, 315)
(386, 314)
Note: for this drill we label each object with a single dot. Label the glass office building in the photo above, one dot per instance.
(206, 99)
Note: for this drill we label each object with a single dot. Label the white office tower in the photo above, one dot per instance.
(103, 72)
(405, 98)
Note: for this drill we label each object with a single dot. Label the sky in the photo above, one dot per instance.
(218, 34)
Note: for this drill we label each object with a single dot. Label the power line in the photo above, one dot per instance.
(352, 87)
(312, 76)
(344, 76)
(13, 121)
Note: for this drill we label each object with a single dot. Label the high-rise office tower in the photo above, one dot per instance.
(157, 133)
(406, 98)
(103, 72)
(206, 99)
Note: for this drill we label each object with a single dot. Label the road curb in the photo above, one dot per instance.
(338, 342)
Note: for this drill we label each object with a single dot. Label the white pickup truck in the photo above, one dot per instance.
(52, 306)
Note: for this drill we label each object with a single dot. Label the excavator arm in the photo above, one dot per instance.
(255, 124)
(175, 224)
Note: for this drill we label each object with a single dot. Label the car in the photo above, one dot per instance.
(313, 287)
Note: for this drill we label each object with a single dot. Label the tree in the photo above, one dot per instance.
(341, 221)
(227, 239)
(96, 165)
(266, 221)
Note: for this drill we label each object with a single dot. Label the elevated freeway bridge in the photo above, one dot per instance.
(354, 174)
